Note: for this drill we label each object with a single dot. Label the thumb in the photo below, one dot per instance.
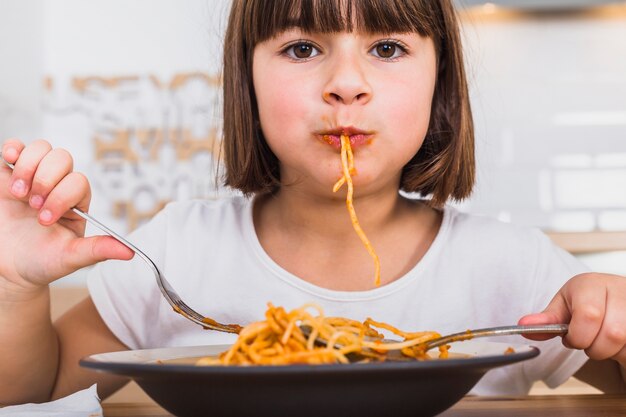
(88, 251)
(556, 312)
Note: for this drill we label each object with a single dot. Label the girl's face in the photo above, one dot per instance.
(313, 87)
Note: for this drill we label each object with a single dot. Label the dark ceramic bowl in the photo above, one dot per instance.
(412, 388)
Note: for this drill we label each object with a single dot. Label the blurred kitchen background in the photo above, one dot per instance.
(131, 88)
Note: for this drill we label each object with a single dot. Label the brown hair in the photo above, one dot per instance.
(443, 167)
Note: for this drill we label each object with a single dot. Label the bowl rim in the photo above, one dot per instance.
(146, 362)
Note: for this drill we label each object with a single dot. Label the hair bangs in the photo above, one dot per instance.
(324, 16)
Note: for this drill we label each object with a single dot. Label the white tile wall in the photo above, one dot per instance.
(549, 98)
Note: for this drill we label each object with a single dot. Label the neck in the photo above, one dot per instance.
(312, 236)
(326, 218)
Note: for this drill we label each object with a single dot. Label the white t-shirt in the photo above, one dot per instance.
(478, 272)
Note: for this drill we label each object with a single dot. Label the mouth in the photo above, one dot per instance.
(357, 137)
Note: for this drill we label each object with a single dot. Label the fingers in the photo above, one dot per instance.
(87, 251)
(588, 307)
(71, 191)
(11, 149)
(611, 337)
(595, 307)
(54, 166)
(43, 177)
(556, 312)
(26, 166)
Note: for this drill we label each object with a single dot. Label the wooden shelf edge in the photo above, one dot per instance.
(589, 242)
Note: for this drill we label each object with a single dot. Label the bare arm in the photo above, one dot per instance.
(40, 360)
(42, 240)
(29, 346)
(81, 332)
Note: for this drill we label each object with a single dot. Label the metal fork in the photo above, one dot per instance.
(494, 331)
(454, 337)
(168, 292)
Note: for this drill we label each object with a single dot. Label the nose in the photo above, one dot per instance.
(347, 83)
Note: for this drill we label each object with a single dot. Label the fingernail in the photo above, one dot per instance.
(11, 153)
(45, 216)
(19, 188)
(36, 201)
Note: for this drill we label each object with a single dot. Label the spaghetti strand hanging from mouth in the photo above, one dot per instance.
(347, 164)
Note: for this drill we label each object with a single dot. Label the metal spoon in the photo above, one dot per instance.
(168, 292)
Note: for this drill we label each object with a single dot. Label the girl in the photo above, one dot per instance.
(297, 76)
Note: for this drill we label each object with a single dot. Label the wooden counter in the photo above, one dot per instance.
(529, 406)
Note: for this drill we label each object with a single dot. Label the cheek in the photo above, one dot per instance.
(409, 107)
(280, 109)
(420, 108)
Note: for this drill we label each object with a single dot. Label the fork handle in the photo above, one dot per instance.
(110, 232)
(498, 331)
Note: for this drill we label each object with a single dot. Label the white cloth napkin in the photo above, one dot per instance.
(85, 403)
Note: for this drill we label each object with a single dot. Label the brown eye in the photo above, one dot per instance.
(303, 50)
(386, 50)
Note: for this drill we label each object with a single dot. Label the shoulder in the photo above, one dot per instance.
(496, 247)
(228, 204)
(494, 242)
(219, 211)
(487, 232)
(188, 218)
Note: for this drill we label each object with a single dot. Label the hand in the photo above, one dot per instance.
(594, 305)
(41, 239)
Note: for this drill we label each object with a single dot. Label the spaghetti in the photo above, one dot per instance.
(347, 164)
(279, 340)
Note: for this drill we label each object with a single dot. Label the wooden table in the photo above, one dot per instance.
(530, 406)
(541, 405)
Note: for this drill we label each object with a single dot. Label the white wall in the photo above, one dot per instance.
(119, 37)
(21, 66)
(549, 99)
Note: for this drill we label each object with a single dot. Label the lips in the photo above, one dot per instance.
(357, 137)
